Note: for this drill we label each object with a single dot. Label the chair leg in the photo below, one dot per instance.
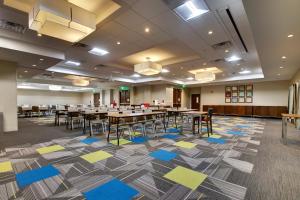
(91, 129)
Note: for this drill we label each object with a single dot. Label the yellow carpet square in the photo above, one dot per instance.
(186, 177)
(212, 136)
(96, 156)
(5, 166)
(218, 129)
(121, 142)
(50, 149)
(183, 144)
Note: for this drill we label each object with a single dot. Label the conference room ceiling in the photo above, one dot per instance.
(180, 46)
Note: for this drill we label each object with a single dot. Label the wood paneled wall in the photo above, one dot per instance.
(255, 111)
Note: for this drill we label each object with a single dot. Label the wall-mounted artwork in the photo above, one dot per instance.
(239, 94)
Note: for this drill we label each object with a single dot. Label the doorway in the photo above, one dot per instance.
(96, 99)
(195, 101)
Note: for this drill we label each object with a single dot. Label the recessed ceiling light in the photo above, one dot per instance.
(283, 57)
(73, 63)
(210, 32)
(118, 43)
(226, 51)
(281, 67)
(181, 68)
(278, 74)
(242, 68)
(39, 35)
(95, 68)
(33, 65)
(191, 9)
(147, 30)
(98, 51)
(245, 72)
(238, 64)
(204, 63)
(233, 58)
(41, 59)
(136, 75)
(290, 35)
(190, 78)
(25, 71)
(165, 71)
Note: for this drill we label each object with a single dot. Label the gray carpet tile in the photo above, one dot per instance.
(252, 164)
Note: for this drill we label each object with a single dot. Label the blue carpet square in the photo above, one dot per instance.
(170, 136)
(235, 133)
(139, 139)
(163, 155)
(112, 190)
(216, 140)
(173, 130)
(90, 140)
(28, 177)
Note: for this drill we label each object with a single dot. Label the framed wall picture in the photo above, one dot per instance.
(249, 100)
(228, 100)
(228, 88)
(241, 93)
(228, 94)
(241, 100)
(234, 94)
(249, 87)
(234, 99)
(234, 88)
(241, 87)
(249, 93)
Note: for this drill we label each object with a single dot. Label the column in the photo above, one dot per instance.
(8, 95)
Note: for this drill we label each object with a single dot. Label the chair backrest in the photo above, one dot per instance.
(35, 109)
(210, 112)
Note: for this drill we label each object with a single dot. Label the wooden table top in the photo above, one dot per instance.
(290, 115)
(195, 113)
(116, 115)
(181, 110)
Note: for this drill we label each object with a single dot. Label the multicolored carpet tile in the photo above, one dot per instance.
(160, 166)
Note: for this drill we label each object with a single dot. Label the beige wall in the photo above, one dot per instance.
(40, 97)
(8, 99)
(264, 94)
(148, 93)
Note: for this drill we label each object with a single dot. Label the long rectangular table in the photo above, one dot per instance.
(177, 112)
(285, 118)
(85, 117)
(115, 120)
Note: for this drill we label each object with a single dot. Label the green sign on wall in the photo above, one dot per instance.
(122, 88)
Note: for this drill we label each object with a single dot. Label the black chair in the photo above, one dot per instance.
(207, 120)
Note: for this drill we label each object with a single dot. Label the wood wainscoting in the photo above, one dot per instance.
(251, 111)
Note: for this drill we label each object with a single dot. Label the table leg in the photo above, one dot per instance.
(165, 123)
(175, 120)
(109, 121)
(193, 129)
(84, 127)
(200, 124)
(118, 131)
(284, 130)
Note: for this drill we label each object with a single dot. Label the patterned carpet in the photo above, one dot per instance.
(170, 166)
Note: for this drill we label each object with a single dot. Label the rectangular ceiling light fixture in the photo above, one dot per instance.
(148, 68)
(98, 51)
(73, 63)
(191, 9)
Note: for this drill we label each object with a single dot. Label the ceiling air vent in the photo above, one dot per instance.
(222, 45)
(80, 45)
(12, 26)
(218, 60)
